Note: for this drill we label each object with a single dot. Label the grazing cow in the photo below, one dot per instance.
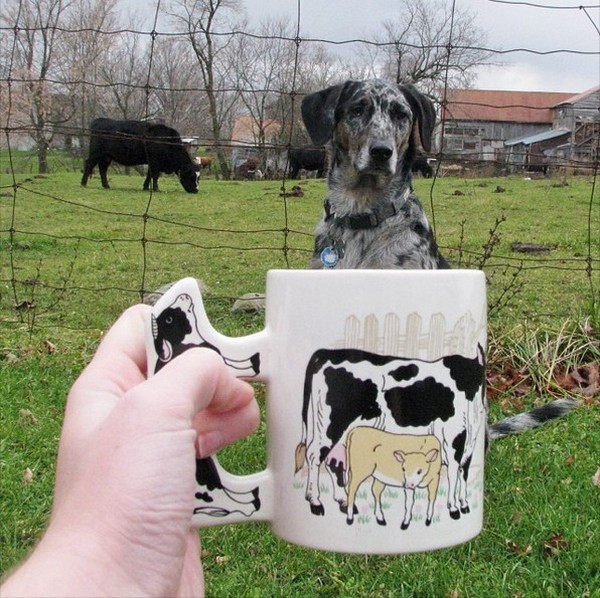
(176, 324)
(308, 158)
(401, 460)
(204, 162)
(344, 388)
(216, 500)
(421, 164)
(133, 142)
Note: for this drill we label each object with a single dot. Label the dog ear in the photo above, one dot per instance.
(318, 110)
(424, 113)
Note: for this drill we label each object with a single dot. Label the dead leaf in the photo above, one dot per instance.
(10, 358)
(570, 460)
(554, 545)
(27, 417)
(518, 550)
(596, 478)
(517, 516)
(28, 476)
(50, 347)
(221, 560)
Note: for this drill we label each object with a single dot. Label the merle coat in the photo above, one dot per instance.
(372, 218)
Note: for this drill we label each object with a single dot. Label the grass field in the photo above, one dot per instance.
(77, 257)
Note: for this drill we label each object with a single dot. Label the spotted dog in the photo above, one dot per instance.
(372, 219)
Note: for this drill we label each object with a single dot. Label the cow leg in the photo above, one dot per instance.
(337, 482)
(452, 467)
(220, 502)
(244, 367)
(453, 488)
(377, 489)
(409, 501)
(103, 165)
(463, 474)
(147, 181)
(313, 494)
(155, 181)
(89, 165)
(353, 483)
(432, 489)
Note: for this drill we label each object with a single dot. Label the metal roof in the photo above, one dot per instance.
(502, 106)
(544, 136)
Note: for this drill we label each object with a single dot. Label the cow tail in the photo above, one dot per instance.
(300, 456)
(531, 419)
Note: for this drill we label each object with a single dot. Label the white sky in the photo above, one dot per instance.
(509, 25)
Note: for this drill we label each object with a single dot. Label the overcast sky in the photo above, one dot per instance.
(508, 25)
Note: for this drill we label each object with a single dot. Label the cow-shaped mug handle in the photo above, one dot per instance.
(179, 322)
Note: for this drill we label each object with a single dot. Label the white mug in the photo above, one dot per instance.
(376, 409)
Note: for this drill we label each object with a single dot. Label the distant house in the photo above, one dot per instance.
(476, 123)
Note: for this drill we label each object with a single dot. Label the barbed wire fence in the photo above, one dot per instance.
(54, 279)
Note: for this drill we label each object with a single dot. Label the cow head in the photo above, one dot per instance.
(189, 177)
(171, 326)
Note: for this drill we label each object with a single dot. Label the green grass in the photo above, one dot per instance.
(78, 257)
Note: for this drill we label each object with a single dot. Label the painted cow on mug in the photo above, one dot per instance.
(345, 388)
(174, 331)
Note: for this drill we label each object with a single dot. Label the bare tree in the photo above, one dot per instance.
(264, 75)
(431, 43)
(86, 46)
(205, 22)
(35, 63)
(177, 85)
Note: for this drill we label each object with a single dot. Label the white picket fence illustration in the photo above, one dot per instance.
(415, 341)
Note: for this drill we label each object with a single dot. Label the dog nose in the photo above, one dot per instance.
(381, 152)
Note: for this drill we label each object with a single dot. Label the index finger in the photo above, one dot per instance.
(195, 381)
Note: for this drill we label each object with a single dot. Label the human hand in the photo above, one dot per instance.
(125, 483)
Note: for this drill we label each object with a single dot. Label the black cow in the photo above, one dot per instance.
(133, 142)
(421, 164)
(308, 158)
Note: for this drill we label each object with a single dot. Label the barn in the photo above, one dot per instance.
(521, 128)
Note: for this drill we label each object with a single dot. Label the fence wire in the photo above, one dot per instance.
(46, 95)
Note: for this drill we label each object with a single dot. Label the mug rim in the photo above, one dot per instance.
(380, 273)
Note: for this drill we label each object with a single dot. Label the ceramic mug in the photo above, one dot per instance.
(376, 409)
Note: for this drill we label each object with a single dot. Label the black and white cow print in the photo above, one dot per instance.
(174, 331)
(345, 388)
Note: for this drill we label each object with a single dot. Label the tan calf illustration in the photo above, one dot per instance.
(402, 460)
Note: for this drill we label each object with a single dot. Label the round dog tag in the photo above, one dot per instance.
(329, 257)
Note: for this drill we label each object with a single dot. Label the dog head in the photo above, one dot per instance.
(372, 124)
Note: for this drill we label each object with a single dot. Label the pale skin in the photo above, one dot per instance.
(120, 522)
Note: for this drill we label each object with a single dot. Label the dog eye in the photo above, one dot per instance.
(397, 112)
(357, 110)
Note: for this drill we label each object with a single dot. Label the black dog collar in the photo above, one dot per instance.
(365, 220)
